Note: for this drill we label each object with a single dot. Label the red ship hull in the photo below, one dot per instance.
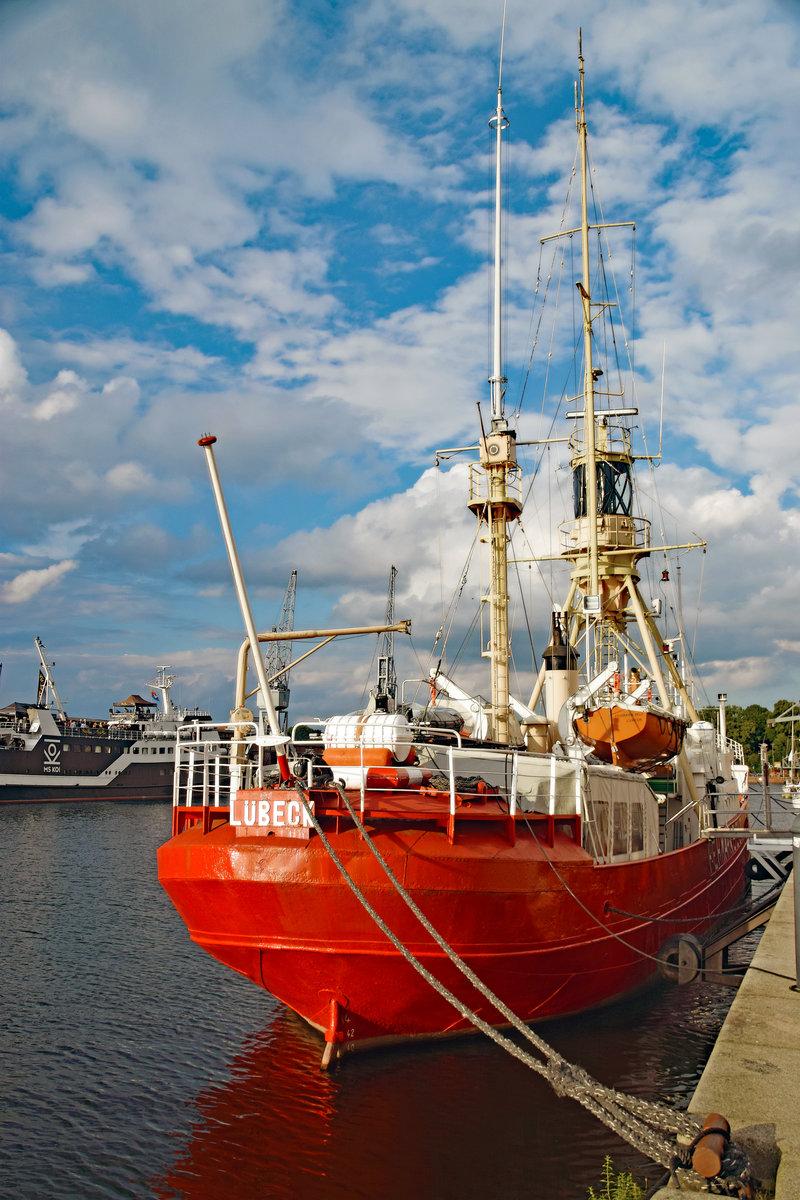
(531, 914)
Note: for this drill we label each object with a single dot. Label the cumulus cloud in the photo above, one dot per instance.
(210, 231)
(27, 584)
(129, 477)
(13, 375)
(64, 397)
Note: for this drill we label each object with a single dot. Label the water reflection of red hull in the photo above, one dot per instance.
(405, 1124)
(530, 918)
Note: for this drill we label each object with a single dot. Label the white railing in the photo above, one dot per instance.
(210, 769)
(729, 746)
(212, 762)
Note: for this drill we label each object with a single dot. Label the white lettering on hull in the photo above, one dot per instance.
(52, 758)
(257, 812)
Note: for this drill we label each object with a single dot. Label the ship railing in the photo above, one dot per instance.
(356, 773)
(76, 728)
(615, 531)
(482, 489)
(522, 782)
(729, 746)
(716, 821)
(716, 813)
(212, 761)
(530, 786)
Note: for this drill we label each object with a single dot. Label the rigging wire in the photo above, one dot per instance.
(528, 624)
(542, 305)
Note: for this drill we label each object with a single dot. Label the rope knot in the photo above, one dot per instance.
(562, 1077)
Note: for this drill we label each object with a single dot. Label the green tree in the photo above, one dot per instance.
(750, 726)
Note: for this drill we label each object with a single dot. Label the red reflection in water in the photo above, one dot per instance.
(459, 1120)
(462, 1120)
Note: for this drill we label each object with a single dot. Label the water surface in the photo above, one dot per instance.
(134, 1065)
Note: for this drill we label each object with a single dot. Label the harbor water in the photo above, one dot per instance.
(134, 1065)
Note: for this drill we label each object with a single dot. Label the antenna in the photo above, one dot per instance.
(661, 414)
(502, 44)
(499, 122)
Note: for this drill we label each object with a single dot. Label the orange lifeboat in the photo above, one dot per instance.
(636, 736)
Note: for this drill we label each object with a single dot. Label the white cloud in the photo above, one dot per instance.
(27, 584)
(742, 675)
(130, 477)
(52, 274)
(64, 397)
(61, 540)
(184, 364)
(209, 218)
(13, 375)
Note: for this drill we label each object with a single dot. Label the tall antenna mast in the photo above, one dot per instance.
(495, 497)
(588, 386)
(499, 122)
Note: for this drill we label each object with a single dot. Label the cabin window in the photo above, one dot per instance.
(615, 829)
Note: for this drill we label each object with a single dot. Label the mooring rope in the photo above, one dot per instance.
(630, 1117)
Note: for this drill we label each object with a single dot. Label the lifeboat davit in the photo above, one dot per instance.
(634, 736)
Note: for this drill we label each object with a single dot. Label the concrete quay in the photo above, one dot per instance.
(753, 1075)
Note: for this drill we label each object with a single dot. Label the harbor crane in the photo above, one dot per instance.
(386, 690)
(278, 656)
(46, 692)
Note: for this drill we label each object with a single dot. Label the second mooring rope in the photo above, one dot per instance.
(639, 1122)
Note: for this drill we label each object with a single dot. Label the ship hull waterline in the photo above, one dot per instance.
(533, 921)
(132, 791)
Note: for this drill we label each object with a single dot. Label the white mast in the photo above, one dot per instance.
(163, 683)
(207, 444)
(499, 122)
(588, 387)
(490, 498)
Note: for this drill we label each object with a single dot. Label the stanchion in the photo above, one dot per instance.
(796, 886)
(765, 784)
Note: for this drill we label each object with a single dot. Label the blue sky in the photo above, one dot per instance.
(270, 221)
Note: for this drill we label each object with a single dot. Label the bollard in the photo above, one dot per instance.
(710, 1149)
(796, 886)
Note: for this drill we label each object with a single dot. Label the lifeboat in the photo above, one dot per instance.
(637, 737)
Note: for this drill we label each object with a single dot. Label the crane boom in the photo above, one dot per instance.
(278, 657)
(387, 676)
